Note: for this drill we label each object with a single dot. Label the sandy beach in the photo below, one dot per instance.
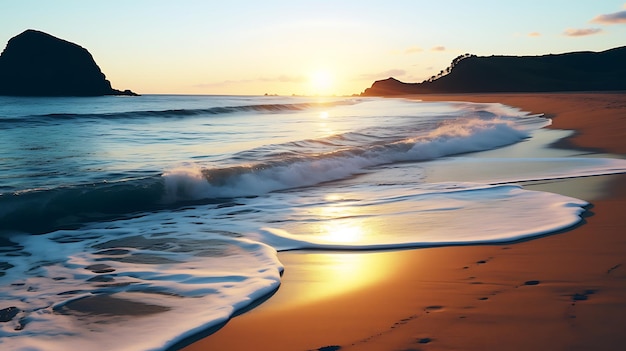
(564, 291)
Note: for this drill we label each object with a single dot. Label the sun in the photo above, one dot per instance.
(321, 82)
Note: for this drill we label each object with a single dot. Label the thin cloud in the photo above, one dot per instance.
(223, 83)
(611, 18)
(413, 50)
(386, 74)
(281, 79)
(284, 79)
(582, 32)
(534, 34)
(438, 48)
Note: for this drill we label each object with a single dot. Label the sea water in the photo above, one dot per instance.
(132, 223)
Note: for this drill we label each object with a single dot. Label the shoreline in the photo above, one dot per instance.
(602, 131)
(563, 291)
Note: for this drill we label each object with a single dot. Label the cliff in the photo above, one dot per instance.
(575, 71)
(37, 64)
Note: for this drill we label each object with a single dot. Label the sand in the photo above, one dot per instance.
(565, 291)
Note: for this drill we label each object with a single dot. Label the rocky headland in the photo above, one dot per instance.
(35, 63)
(573, 71)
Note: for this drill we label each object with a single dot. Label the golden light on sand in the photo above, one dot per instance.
(317, 276)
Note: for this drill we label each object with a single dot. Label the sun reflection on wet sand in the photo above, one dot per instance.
(315, 276)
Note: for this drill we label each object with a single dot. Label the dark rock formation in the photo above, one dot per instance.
(575, 71)
(37, 64)
(390, 86)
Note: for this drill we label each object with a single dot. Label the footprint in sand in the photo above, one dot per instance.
(484, 261)
(610, 270)
(582, 296)
(434, 308)
(424, 340)
(479, 262)
(532, 282)
(329, 348)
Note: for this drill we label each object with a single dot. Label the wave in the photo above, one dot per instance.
(179, 113)
(456, 137)
(350, 154)
(42, 210)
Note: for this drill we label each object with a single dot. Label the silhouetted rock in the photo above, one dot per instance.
(389, 86)
(37, 64)
(575, 71)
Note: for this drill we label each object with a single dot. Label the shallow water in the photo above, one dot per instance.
(156, 217)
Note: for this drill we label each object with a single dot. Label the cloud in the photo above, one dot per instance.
(413, 50)
(582, 32)
(534, 34)
(386, 74)
(438, 48)
(611, 18)
(221, 84)
(281, 79)
(284, 79)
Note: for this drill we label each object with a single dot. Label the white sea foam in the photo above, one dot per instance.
(447, 214)
(455, 136)
(175, 274)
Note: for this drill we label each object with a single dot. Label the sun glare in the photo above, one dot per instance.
(321, 82)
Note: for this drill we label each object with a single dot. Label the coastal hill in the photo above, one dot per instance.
(575, 71)
(38, 64)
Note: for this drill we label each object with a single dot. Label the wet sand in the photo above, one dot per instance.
(565, 291)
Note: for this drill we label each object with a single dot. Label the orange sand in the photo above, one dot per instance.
(561, 292)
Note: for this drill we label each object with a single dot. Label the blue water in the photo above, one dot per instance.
(169, 210)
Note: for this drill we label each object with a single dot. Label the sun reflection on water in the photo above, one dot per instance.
(325, 125)
(340, 223)
(342, 232)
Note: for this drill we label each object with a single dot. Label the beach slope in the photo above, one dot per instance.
(560, 292)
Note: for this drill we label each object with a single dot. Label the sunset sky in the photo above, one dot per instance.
(307, 47)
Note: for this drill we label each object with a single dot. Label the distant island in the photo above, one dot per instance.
(35, 63)
(574, 71)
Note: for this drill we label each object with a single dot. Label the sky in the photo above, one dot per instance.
(307, 47)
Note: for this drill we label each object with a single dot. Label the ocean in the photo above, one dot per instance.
(133, 223)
